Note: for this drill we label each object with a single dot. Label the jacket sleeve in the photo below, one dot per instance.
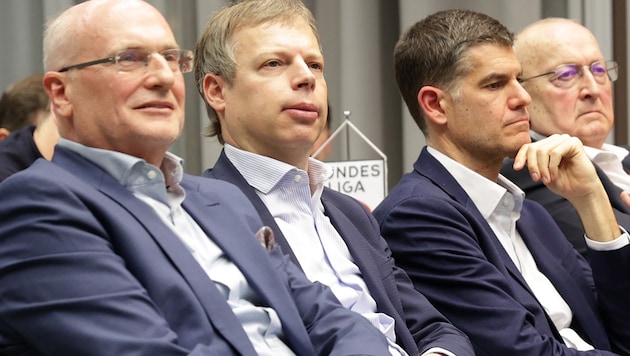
(611, 271)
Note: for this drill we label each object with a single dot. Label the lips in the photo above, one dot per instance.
(156, 105)
(303, 107)
(303, 111)
(519, 120)
(596, 112)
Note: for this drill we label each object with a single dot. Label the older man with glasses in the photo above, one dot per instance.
(111, 250)
(570, 83)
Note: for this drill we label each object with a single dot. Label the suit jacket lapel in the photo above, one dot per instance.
(613, 191)
(246, 253)
(431, 168)
(215, 305)
(579, 298)
(361, 253)
(441, 177)
(225, 170)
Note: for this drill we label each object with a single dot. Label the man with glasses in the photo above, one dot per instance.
(111, 250)
(494, 263)
(570, 83)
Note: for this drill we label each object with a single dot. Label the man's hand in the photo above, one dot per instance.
(559, 161)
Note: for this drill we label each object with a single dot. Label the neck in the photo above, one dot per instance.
(46, 137)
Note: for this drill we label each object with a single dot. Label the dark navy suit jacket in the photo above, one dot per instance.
(561, 210)
(389, 286)
(18, 151)
(449, 251)
(88, 269)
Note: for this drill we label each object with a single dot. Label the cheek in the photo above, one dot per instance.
(607, 100)
(552, 107)
(179, 90)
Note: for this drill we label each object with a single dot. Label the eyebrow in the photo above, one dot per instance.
(493, 77)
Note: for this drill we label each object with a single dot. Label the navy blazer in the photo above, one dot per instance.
(449, 251)
(88, 269)
(561, 210)
(389, 285)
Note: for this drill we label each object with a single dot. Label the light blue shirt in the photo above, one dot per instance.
(160, 189)
(293, 198)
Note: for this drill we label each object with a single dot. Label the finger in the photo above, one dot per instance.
(548, 154)
(520, 159)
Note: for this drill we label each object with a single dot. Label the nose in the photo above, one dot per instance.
(304, 76)
(158, 67)
(521, 98)
(589, 87)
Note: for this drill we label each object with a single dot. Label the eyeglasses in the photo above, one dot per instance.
(565, 75)
(132, 59)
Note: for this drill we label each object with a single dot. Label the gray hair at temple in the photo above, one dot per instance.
(215, 49)
(433, 52)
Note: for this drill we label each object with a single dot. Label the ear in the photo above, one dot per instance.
(213, 86)
(55, 86)
(4, 133)
(431, 100)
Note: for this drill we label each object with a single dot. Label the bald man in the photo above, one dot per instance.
(570, 83)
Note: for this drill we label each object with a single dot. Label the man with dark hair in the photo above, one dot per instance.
(496, 264)
(23, 104)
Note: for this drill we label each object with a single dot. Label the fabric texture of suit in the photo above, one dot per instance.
(96, 272)
(449, 251)
(389, 286)
(17, 152)
(561, 210)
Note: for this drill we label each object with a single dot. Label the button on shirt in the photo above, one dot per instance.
(293, 198)
(501, 204)
(160, 189)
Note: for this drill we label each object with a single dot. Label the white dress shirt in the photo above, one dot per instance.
(292, 196)
(501, 204)
(159, 188)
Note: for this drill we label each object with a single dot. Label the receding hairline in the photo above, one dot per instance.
(543, 34)
(64, 32)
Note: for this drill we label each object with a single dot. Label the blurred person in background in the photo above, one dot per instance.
(25, 112)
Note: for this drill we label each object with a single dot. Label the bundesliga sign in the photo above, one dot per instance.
(363, 180)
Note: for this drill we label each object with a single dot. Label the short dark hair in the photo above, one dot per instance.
(21, 103)
(433, 52)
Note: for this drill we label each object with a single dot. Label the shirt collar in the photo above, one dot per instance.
(607, 149)
(484, 193)
(264, 173)
(126, 168)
